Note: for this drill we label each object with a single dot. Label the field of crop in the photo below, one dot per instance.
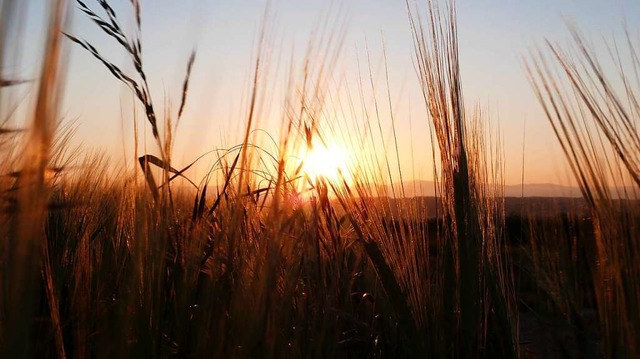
(267, 256)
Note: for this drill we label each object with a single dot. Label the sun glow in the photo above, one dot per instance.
(329, 163)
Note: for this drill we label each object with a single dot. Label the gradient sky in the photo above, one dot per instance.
(495, 36)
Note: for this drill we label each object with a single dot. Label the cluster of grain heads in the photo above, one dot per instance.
(594, 115)
(476, 294)
(243, 275)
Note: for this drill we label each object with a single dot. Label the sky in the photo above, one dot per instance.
(495, 36)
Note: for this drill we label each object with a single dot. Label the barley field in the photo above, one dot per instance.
(292, 244)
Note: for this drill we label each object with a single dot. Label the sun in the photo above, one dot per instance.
(329, 163)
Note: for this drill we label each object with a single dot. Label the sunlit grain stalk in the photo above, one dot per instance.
(464, 261)
(132, 45)
(28, 251)
(595, 123)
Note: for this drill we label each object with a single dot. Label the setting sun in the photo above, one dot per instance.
(327, 162)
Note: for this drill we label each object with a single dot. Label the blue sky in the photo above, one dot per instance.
(495, 35)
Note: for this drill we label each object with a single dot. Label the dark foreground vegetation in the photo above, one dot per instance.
(98, 262)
